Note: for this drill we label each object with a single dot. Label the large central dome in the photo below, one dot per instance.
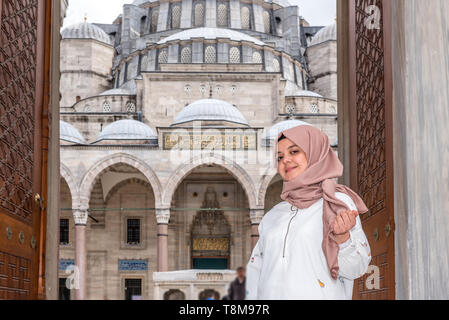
(211, 33)
(210, 110)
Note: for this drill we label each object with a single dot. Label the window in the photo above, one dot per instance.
(257, 57)
(163, 56)
(64, 231)
(266, 22)
(133, 289)
(154, 19)
(133, 233)
(199, 15)
(186, 55)
(106, 107)
(222, 15)
(234, 55)
(64, 292)
(314, 108)
(176, 16)
(211, 54)
(130, 107)
(246, 18)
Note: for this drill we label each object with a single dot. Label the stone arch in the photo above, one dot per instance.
(264, 184)
(87, 183)
(185, 169)
(71, 182)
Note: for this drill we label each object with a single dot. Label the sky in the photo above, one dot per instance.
(316, 12)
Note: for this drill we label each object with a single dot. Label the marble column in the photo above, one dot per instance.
(80, 217)
(256, 216)
(163, 217)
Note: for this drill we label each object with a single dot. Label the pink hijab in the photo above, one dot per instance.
(316, 183)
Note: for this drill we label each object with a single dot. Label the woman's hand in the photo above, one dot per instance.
(344, 222)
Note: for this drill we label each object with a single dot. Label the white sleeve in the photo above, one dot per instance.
(253, 269)
(354, 255)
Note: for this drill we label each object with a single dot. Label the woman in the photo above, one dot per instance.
(311, 245)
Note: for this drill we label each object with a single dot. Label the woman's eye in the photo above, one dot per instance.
(280, 158)
(294, 152)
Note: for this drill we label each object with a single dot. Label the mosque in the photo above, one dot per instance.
(168, 117)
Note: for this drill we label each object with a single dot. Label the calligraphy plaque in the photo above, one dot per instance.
(210, 141)
(211, 244)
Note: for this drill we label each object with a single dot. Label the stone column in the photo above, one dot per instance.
(256, 216)
(162, 216)
(80, 217)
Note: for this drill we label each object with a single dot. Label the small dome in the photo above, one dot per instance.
(292, 90)
(275, 130)
(127, 130)
(210, 110)
(326, 34)
(128, 89)
(69, 133)
(85, 30)
(211, 33)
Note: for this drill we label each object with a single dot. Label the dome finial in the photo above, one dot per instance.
(85, 17)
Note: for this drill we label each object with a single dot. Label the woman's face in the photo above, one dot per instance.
(292, 160)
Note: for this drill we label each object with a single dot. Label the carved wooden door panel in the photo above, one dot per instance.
(371, 139)
(23, 95)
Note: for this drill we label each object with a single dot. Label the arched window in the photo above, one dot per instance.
(267, 21)
(154, 19)
(106, 106)
(130, 107)
(186, 55)
(163, 56)
(257, 57)
(199, 15)
(234, 55)
(222, 15)
(246, 18)
(143, 23)
(276, 65)
(210, 54)
(314, 108)
(175, 16)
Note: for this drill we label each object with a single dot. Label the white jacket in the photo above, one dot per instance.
(288, 262)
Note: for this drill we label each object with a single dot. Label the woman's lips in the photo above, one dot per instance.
(289, 169)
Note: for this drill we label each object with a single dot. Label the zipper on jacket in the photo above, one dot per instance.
(288, 229)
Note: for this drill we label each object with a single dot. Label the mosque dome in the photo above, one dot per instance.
(211, 33)
(85, 30)
(127, 130)
(210, 110)
(275, 130)
(69, 133)
(292, 90)
(326, 34)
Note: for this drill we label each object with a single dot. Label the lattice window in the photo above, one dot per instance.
(222, 19)
(210, 55)
(130, 107)
(234, 55)
(186, 55)
(106, 106)
(199, 15)
(154, 19)
(245, 17)
(133, 234)
(257, 57)
(314, 108)
(64, 231)
(267, 21)
(176, 16)
(291, 109)
(133, 289)
(163, 56)
(276, 65)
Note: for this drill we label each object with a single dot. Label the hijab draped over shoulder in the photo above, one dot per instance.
(316, 183)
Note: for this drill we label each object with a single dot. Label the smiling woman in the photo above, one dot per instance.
(316, 231)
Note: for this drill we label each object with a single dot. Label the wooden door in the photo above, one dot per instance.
(371, 138)
(24, 74)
